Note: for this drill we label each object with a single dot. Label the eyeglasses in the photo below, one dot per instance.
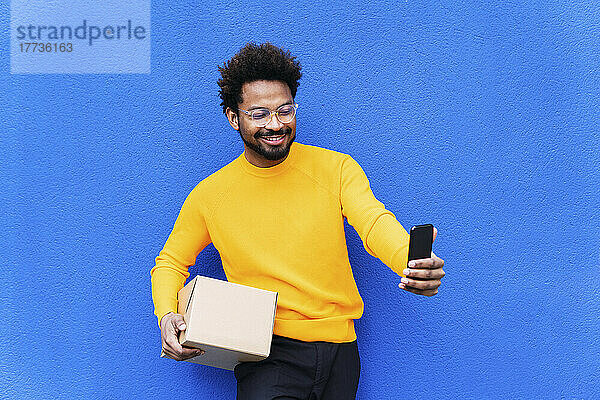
(262, 116)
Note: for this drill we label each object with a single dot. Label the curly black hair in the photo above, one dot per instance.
(256, 62)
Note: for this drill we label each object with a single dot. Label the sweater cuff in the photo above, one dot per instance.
(166, 283)
(388, 241)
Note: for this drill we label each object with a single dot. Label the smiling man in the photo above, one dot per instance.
(267, 137)
(276, 216)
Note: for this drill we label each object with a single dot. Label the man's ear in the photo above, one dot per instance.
(232, 117)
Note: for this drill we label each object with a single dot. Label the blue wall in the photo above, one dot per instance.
(479, 117)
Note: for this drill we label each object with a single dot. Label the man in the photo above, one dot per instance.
(276, 216)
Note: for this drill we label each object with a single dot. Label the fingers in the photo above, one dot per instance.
(188, 352)
(430, 263)
(171, 345)
(437, 273)
(429, 284)
(178, 322)
(184, 354)
(169, 337)
(176, 351)
(429, 293)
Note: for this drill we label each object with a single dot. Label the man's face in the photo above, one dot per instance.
(270, 95)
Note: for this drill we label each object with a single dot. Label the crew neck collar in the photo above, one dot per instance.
(269, 171)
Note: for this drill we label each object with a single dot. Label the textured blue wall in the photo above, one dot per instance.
(479, 117)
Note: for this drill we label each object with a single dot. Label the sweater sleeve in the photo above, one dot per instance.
(382, 235)
(187, 239)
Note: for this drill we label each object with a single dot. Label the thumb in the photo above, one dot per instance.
(179, 322)
(434, 234)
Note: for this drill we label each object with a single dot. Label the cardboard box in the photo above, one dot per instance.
(230, 322)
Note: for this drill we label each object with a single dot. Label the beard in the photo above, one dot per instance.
(271, 153)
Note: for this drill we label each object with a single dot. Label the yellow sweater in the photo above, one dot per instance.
(282, 229)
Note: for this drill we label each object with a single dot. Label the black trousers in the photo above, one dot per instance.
(302, 371)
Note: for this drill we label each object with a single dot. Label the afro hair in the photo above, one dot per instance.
(256, 62)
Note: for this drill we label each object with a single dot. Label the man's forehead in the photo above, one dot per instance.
(269, 94)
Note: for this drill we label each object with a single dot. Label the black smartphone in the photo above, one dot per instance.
(420, 242)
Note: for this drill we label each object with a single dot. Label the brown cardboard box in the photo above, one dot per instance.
(229, 321)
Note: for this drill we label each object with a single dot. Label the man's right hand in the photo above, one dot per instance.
(170, 326)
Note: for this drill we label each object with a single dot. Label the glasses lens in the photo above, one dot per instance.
(261, 116)
(286, 113)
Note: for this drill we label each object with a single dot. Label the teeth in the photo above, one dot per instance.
(273, 138)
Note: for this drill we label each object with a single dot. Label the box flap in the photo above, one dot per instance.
(185, 297)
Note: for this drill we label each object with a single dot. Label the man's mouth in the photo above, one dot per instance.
(273, 140)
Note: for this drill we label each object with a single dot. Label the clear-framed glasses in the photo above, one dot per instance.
(262, 116)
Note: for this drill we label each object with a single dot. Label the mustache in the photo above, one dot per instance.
(283, 131)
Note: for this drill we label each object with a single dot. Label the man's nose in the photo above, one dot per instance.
(274, 123)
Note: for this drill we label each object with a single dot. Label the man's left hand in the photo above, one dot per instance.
(424, 276)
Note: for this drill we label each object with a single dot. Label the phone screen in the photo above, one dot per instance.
(420, 242)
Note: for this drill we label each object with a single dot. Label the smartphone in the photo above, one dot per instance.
(420, 242)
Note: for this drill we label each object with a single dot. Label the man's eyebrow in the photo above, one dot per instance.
(259, 107)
